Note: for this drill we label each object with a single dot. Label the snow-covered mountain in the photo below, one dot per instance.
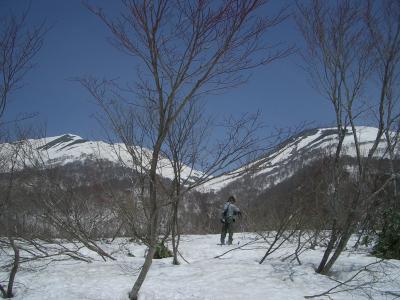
(297, 151)
(68, 148)
(272, 168)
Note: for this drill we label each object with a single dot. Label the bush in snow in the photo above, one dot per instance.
(388, 245)
(162, 251)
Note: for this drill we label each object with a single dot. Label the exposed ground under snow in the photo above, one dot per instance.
(237, 275)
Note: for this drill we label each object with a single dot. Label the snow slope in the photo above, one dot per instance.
(236, 275)
(68, 148)
(310, 141)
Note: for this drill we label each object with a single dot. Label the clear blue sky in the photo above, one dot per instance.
(77, 45)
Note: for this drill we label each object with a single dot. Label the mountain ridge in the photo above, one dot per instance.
(67, 148)
(299, 150)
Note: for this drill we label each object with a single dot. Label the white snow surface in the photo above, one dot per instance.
(302, 145)
(236, 275)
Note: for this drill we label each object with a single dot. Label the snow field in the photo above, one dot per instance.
(236, 275)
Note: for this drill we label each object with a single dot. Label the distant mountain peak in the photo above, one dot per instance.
(70, 148)
(65, 140)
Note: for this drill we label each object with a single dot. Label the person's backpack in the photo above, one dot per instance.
(224, 214)
(226, 211)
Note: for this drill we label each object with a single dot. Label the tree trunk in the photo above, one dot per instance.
(328, 249)
(175, 261)
(153, 225)
(175, 233)
(339, 249)
(14, 269)
(336, 174)
(391, 147)
(344, 238)
(133, 295)
(3, 291)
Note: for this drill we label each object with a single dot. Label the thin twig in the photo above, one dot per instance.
(248, 243)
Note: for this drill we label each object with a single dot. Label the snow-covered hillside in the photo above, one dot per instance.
(300, 149)
(68, 148)
(317, 141)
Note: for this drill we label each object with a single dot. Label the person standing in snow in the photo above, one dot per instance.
(228, 218)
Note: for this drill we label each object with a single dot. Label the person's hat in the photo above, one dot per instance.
(232, 199)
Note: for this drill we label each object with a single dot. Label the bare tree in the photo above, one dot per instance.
(18, 46)
(383, 23)
(334, 41)
(7, 216)
(342, 46)
(384, 30)
(184, 50)
(39, 212)
(189, 147)
(183, 142)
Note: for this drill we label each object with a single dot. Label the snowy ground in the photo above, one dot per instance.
(236, 275)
